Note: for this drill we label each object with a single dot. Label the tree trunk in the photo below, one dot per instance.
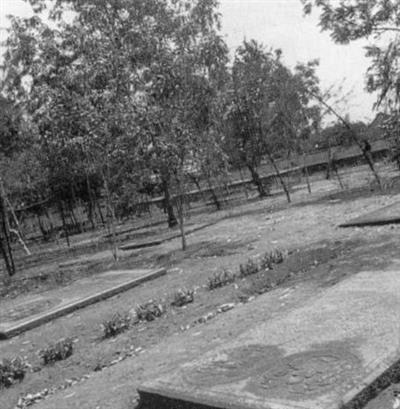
(257, 180)
(65, 227)
(111, 219)
(172, 222)
(244, 184)
(100, 213)
(17, 231)
(286, 190)
(181, 219)
(305, 168)
(213, 194)
(5, 239)
(335, 169)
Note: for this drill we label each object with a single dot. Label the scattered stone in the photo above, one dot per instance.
(225, 307)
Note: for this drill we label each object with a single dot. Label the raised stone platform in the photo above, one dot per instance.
(24, 313)
(329, 353)
(385, 215)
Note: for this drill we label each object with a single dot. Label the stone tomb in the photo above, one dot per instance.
(26, 312)
(384, 215)
(324, 354)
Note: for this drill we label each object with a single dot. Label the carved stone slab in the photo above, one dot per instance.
(321, 355)
(24, 313)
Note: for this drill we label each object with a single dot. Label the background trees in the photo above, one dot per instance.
(109, 100)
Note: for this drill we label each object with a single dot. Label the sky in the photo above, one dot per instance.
(280, 24)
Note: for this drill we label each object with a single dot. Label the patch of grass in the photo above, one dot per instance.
(150, 310)
(182, 297)
(220, 279)
(11, 371)
(59, 351)
(117, 324)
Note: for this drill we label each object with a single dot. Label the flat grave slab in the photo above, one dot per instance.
(385, 215)
(155, 241)
(325, 354)
(27, 312)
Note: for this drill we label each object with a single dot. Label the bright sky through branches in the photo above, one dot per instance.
(280, 24)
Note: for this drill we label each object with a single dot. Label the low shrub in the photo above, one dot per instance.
(220, 279)
(275, 256)
(11, 371)
(59, 351)
(182, 297)
(114, 326)
(150, 310)
(249, 268)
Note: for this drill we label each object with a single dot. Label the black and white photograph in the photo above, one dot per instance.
(199, 204)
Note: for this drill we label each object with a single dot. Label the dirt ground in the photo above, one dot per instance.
(319, 254)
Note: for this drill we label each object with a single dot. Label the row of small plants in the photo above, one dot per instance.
(145, 312)
(252, 266)
(14, 370)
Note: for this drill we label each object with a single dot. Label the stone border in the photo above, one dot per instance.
(376, 217)
(84, 302)
(169, 236)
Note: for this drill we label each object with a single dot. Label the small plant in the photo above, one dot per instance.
(220, 279)
(59, 351)
(266, 261)
(150, 311)
(182, 297)
(11, 371)
(251, 267)
(277, 256)
(117, 324)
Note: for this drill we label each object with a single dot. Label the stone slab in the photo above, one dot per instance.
(27, 312)
(323, 354)
(385, 215)
(162, 238)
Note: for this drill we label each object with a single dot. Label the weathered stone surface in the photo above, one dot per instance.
(320, 355)
(28, 312)
(385, 215)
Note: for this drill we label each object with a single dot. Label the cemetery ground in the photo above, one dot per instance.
(105, 372)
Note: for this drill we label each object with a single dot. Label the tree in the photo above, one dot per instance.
(376, 20)
(251, 93)
(123, 86)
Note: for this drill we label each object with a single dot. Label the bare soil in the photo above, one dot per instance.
(319, 255)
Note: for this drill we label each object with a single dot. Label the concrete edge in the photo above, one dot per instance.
(133, 246)
(372, 222)
(68, 308)
(152, 398)
(157, 242)
(372, 385)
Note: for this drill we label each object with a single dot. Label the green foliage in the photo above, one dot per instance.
(150, 310)
(59, 351)
(220, 279)
(182, 297)
(11, 371)
(117, 324)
